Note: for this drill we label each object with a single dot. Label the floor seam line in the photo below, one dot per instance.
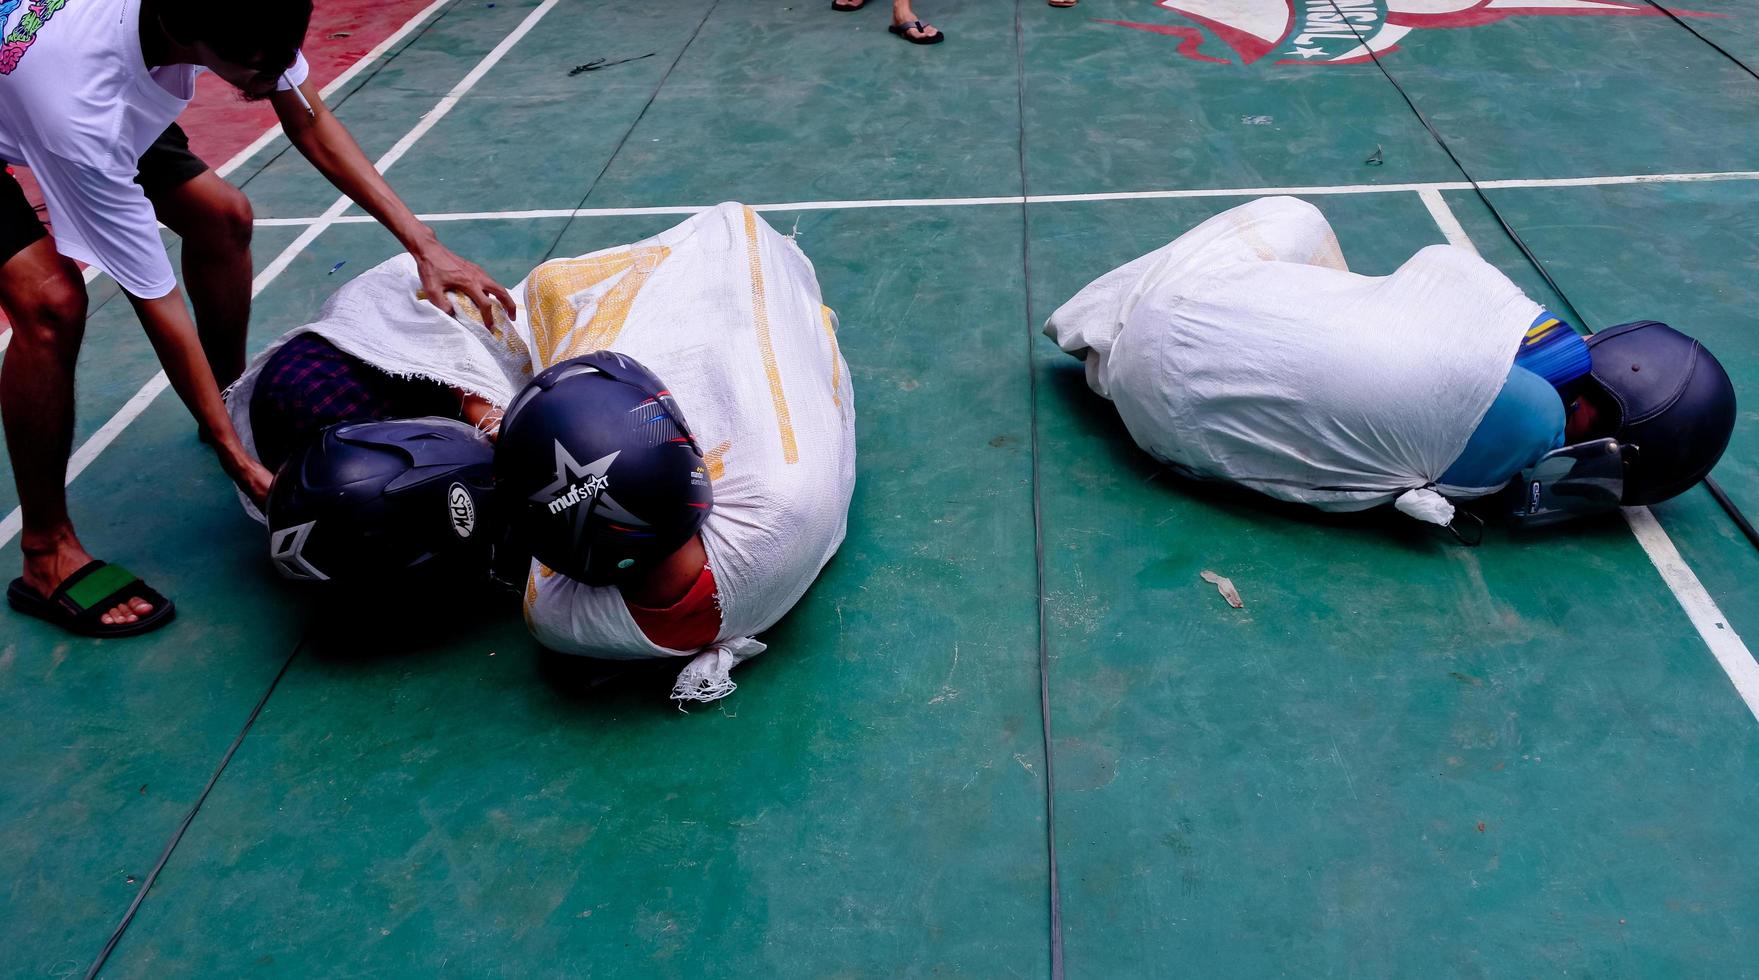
(189, 817)
(1044, 696)
(624, 141)
(1690, 595)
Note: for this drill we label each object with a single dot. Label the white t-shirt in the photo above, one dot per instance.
(78, 106)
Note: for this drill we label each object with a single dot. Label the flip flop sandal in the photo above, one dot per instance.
(79, 604)
(903, 31)
(846, 7)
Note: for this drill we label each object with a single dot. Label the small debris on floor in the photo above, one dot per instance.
(1256, 120)
(1225, 586)
(338, 34)
(598, 63)
(337, 266)
(1376, 158)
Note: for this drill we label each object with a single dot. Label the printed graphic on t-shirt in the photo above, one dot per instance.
(24, 34)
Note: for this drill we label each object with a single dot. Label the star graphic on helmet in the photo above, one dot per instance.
(591, 478)
(584, 491)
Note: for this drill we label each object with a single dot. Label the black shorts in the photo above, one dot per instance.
(167, 164)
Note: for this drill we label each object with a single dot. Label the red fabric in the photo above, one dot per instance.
(691, 622)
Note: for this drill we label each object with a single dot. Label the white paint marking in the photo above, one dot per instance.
(335, 84)
(428, 121)
(1445, 220)
(1627, 179)
(1707, 618)
(1429, 191)
(108, 433)
(268, 135)
(1731, 652)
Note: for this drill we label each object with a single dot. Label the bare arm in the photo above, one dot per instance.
(480, 412)
(167, 324)
(332, 150)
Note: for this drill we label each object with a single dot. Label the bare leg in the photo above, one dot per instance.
(45, 298)
(214, 219)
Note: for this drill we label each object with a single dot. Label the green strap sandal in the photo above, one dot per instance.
(79, 604)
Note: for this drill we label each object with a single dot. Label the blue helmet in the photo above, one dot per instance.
(368, 500)
(1675, 406)
(598, 470)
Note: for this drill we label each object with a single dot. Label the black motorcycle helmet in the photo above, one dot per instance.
(367, 500)
(1674, 404)
(598, 469)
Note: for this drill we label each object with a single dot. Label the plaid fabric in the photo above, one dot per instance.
(309, 385)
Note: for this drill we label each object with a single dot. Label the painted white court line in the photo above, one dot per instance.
(395, 153)
(107, 434)
(1430, 190)
(1731, 652)
(335, 84)
(1707, 618)
(1444, 219)
(268, 135)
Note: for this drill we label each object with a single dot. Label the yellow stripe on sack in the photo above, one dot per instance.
(549, 300)
(760, 312)
(543, 571)
(498, 330)
(609, 319)
(716, 461)
(824, 313)
(467, 310)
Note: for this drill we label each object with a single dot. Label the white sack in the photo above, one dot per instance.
(382, 318)
(728, 313)
(1246, 351)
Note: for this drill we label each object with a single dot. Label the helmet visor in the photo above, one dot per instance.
(1575, 481)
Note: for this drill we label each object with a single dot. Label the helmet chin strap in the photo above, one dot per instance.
(1716, 491)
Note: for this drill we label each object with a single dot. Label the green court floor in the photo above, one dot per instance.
(1403, 757)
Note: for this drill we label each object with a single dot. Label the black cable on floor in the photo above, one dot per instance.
(189, 818)
(1716, 491)
(1742, 65)
(1044, 677)
(557, 243)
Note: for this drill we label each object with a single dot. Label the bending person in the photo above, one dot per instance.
(89, 94)
(1246, 351)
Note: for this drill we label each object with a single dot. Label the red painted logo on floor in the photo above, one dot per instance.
(1343, 32)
